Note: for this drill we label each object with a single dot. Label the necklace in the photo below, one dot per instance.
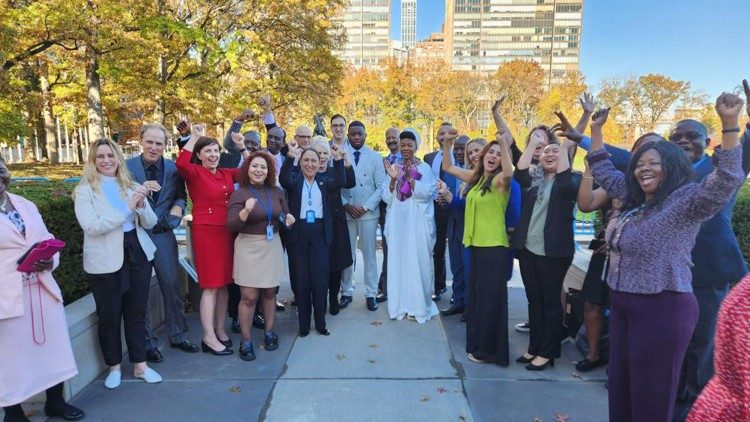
(4, 205)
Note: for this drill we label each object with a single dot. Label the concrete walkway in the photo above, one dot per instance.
(370, 368)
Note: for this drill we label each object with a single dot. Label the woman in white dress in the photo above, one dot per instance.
(410, 222)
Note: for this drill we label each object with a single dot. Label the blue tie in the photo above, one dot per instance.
(356, 157)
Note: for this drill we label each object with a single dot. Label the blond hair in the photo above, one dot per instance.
(92, 177)
(156, 126)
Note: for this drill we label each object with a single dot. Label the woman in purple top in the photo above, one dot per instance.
(650, 239)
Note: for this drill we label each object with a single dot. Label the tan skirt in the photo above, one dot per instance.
(258, 262)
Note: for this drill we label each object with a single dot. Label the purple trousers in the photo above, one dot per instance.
(649, 334)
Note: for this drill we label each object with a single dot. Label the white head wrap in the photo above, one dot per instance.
(414, 132)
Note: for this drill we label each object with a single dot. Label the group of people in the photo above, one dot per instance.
(299, 208)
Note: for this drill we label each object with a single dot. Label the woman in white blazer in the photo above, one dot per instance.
(117, 255)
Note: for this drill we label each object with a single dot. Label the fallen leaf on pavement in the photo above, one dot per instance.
(373, 346)
(559, 417)
(235, 389)
(376, 322)
(424, 398)
(441, 390)
(538, 419)
(340, 356)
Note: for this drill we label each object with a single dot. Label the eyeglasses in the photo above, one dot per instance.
(691, 135)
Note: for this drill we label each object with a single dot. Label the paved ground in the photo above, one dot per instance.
(369, 369)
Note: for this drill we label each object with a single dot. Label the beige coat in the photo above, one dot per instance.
(102, 230)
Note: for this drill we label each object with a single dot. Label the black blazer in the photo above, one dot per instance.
(292, 181)
(229, 161)
(558, 225)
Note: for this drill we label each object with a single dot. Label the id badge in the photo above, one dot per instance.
(310, 217)
(269, 232)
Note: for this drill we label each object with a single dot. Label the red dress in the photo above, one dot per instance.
(727, 395)
(212, 243)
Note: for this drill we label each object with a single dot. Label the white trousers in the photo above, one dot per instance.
(366, 231)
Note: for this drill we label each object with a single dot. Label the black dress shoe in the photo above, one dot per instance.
(259, 321)
(304, 333)
(453, 310)
(280, 306)
(333, 305)
(246, 351)
(524, 359)
(154, 356)
(185, 346)
(381, 298)
(236, 326)
(63, 410)
(324, 332)
(532, 367)
(207, 349)
(345, 301)
(372, 305)
(228, 342)
(586, 365)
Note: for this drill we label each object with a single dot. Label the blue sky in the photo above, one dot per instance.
(704, 42)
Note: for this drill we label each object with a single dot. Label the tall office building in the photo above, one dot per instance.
(482, 34)
(367, 24)
(408, 23)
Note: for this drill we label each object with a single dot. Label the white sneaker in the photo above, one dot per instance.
(150, 376)
(113, 379)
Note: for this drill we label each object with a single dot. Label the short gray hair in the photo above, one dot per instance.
(156, 126)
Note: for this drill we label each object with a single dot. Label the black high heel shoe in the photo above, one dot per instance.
(207, 349)
(532, 367)
(64, 410)
(227, 342)
(524, 359)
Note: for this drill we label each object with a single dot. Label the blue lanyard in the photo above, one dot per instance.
(309, 192)
(269, 208)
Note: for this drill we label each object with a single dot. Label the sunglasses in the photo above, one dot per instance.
(690, 135)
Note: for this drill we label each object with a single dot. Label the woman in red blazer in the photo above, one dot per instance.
(210, 188)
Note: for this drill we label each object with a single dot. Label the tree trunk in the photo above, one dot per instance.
(160, 110)
(49, 146)
(94, 98)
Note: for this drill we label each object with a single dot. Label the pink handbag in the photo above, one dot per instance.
(45, 249)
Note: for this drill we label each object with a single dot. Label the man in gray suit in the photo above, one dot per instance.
(167, 197)
(362, 204)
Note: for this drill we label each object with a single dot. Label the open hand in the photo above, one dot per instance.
(599, 118)
(729, 107)
(565, 129)
(390, 169)
(587, 102)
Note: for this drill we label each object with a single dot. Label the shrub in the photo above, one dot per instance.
(56, 206)
(741, 220)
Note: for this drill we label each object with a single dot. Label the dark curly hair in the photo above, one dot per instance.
(270, 164)
(676, 172)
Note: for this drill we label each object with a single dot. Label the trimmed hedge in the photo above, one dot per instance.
(56, 206)
(741, 220)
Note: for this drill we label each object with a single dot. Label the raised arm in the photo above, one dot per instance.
(587, 104)
(446, 164)
(501, 182)
(611, 179)
(528, 154)
(563, 160)
(590, 199)
(498, 118)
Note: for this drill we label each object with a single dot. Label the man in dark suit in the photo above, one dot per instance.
(434, 159)
(167, 198)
